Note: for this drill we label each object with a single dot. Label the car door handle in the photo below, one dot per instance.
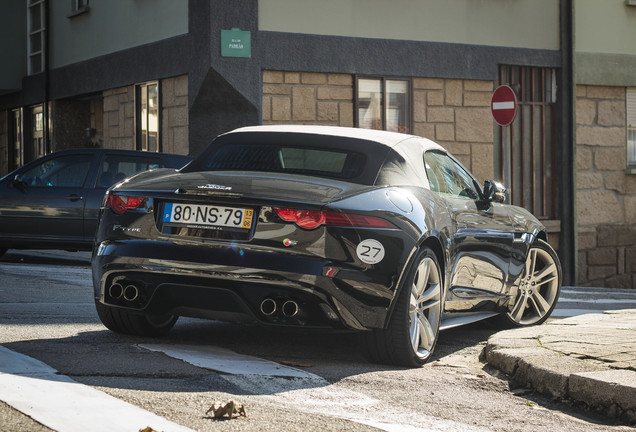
(74, 197)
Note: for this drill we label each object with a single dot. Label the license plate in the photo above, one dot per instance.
(208, 216)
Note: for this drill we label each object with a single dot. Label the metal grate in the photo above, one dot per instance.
(631, 127)
(525, 151)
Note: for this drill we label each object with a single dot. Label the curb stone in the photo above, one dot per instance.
(574, 358)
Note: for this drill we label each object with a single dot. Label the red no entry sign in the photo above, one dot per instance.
(503, 105)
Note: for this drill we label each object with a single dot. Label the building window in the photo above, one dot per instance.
(35, 40)
(383, 103)
(37, 131)
(16, 149)
(525, 151)
(147, 117)
(78, 7)
(631, 129)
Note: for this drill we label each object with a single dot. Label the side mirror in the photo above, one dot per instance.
(495, 191)
(18, 183)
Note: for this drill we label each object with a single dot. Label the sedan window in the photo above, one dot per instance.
(115, 168)
(63, 171)
(447, 177)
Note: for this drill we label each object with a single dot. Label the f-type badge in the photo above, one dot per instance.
(215, 187)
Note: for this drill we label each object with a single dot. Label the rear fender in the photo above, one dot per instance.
(433, 241)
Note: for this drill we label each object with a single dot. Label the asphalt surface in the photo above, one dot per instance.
(589, 359)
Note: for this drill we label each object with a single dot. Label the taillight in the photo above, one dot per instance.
(308, 219)
(122, 203)
(311, 219)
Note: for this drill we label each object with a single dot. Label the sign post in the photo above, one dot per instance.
(503, 106)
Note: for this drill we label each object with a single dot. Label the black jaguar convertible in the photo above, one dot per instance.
(316, 226)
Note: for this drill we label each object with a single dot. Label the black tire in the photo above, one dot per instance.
(126, 322)
(413, 330)
(539, 288)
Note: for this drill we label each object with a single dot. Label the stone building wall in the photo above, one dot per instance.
(96, 106)
(307, 98)
(119, 116)
(454, 113)
(174, 120)
(71, 118)
(606, 195)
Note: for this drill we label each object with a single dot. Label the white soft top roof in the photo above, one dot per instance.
(389, 139)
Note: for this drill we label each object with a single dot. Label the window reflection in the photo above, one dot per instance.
(370, 103)
(446, 177)
(148, 117)
(384, 104)
(397, 109)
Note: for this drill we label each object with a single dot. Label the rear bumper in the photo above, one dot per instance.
(229, 283)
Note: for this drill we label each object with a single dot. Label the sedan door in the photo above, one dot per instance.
(45, 203)
(482, 237)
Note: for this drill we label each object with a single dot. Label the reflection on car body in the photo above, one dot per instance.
(53, 202)
(314, 226)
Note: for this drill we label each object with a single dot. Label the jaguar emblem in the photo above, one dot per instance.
(215, 187)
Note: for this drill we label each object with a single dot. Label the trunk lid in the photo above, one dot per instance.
(248, 186)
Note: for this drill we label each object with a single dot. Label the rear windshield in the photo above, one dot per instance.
(287, 159)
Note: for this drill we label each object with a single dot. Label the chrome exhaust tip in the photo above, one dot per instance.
(290, 309)
(268, 307)
(116, 291)
(131, 293)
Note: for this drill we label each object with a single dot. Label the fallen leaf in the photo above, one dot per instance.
(229, 408)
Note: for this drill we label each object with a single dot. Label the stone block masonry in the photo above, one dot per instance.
(605, 193)
(119, 116)
(307, 98)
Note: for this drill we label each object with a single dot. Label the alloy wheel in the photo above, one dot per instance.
(539, 287)
(425, 307)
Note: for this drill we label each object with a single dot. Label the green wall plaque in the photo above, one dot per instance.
(236, 43)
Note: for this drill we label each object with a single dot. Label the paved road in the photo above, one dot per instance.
(577, 301)
(47, 313)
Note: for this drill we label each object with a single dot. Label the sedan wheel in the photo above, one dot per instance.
(539, 287)
(414, 327)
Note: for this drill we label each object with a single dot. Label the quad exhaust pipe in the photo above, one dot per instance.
(268, 307)
(129, 292)
(289, 308)
(116, 290)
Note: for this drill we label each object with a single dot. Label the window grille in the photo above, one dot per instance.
(525, 151)
(631, 127)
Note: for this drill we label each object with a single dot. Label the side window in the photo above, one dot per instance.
(63, 171)
(115, 168)
(447, 177)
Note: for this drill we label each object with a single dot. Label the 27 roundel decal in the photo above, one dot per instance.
(370, 251)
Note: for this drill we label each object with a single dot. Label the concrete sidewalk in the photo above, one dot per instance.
(587, 358)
